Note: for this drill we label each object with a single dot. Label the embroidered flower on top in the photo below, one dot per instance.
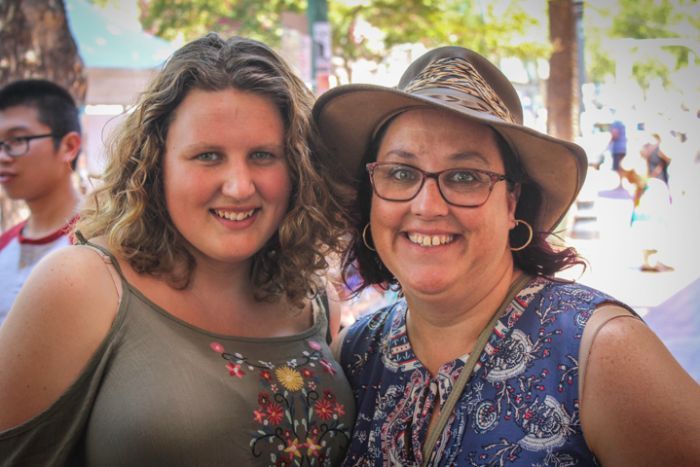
(293, 423)
(290, 378)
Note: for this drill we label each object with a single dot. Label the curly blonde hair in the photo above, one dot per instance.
(129, 207)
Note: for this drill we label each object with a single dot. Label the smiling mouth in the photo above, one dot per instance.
(233, 216)
(430, 240)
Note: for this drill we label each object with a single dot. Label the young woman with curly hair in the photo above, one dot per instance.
(188, 330)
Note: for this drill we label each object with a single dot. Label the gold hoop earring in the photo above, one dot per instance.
(529, 238)
(364, 238)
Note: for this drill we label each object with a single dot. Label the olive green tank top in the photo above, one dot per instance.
(159, 391)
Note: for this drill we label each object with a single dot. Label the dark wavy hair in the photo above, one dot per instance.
(540, 257)
(129, 207)
(54, 105)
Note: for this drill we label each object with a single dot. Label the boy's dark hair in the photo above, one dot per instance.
(54, 104)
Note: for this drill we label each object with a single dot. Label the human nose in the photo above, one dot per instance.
(429, 201)
(239, 182)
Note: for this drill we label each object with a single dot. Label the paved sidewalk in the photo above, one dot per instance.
(668, 301)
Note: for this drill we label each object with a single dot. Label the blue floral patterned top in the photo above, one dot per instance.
(520, 406)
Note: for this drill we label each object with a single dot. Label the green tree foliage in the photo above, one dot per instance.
(496, 29)
(401, 20)
(646, 21)
(192, 18)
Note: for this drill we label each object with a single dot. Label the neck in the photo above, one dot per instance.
(222, 280)
(225, 287)
(456, 321)
(225, 301)
(52, 210)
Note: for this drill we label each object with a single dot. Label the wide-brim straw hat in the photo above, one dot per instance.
(460, 81)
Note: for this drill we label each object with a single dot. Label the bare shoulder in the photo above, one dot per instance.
(64, 284)
(61, 315)
(637, 399)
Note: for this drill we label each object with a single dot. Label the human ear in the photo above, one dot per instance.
(513, 197)
(70, 146)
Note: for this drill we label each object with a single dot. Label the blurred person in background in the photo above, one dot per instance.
(656, 159)
(40, 141)
(188, 330)
(487, 359)
(651, 217)
(617, 145)
(617, 148)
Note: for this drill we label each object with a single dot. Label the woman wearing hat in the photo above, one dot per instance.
(482, 362)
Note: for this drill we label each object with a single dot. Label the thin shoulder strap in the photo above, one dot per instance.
(604, 314)
(110, 261)
(468, 369)
(103, 250)
(323, 299)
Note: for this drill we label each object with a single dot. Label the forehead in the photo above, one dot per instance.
(225, 118)
(229, 103)
(18, 118)
(431, 134)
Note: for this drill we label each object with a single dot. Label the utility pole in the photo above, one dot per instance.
(580, 48)
(320, 32)
(563, 88)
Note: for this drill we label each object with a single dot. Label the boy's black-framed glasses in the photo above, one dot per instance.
(19, 145)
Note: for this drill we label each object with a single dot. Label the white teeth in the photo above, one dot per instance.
(430, 240)
(234, 216)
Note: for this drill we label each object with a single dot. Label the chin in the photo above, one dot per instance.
(425, 286)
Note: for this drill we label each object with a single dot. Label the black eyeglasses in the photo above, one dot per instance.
(467, 188)
(19, 145)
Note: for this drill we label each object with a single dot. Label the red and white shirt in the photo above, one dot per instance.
(18, 255)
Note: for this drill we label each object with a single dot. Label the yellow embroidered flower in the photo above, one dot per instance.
(290, 378)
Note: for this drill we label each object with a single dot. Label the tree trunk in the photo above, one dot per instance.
(562, 86)
(35, 42)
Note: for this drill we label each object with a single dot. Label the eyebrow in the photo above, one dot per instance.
(469, 156)
(401, 154)
(272, 147)
(17, 129)
(457, 157)
(200, 147)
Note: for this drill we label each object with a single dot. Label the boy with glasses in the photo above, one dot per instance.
(40, 141)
